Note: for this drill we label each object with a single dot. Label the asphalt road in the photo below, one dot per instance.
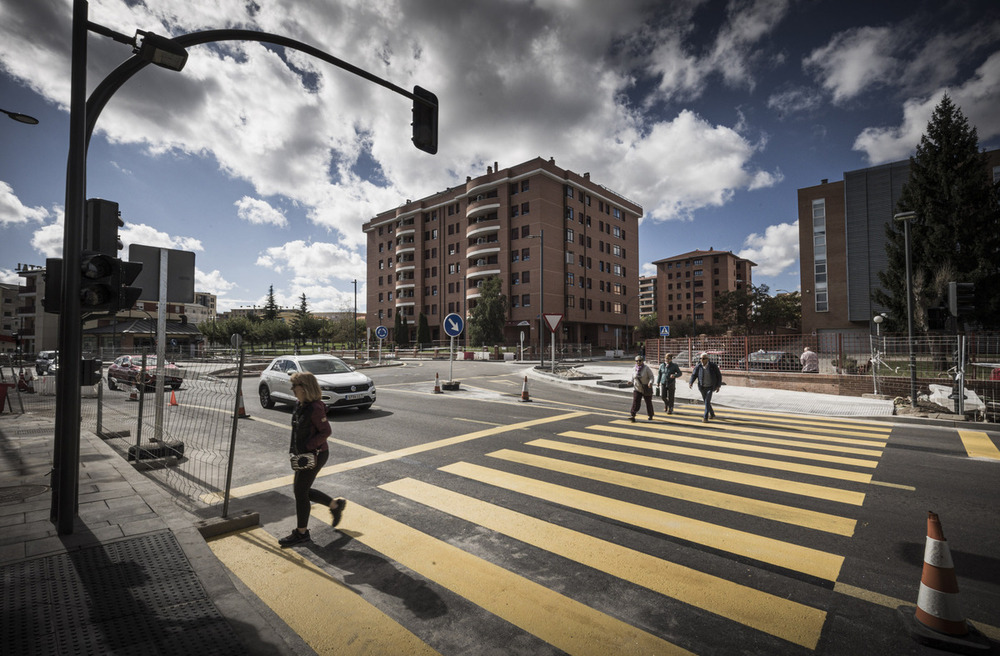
(480, 524)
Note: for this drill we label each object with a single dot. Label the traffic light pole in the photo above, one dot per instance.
(66, 449)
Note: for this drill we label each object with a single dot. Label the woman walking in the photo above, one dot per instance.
(310, 430)
(666, 378)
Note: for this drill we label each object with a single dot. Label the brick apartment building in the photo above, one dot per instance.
(842, 244)
(431, 255)
(647, 296)
(687, 285)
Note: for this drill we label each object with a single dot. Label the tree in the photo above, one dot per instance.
(423, 331)
(955, 234)
(649, 328)
(486, 321)
(300, 324)
(781, 311)
(401, 331)
(270, 305)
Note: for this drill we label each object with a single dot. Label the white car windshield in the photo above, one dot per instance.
(324, 366)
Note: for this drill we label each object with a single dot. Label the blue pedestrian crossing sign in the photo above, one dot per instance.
(381, 332)
(453, 325)
(664, 331)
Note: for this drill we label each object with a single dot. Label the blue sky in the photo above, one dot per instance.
(710, 114)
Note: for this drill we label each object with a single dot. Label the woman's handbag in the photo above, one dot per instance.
(302, 460)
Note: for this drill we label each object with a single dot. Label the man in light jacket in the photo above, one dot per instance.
(642, 387)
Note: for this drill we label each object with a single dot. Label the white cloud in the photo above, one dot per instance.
(775, 251)
(48, 240)
(686, 164)
(211, 282)
(977, 98)
(795, 100)
(647, 269)
(140, 233)
(855, 60)
(312, 263)
(13, 211)
(259, 212)
(10, 277)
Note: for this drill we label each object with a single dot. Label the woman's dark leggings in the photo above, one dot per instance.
(304, 494)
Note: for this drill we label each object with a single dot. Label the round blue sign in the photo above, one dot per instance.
(453, 325)
(381, 332)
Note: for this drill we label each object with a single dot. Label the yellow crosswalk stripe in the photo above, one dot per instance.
(754, 480)
(840, 427)
(336, 620)
(786, 437)
(560, 621)
(978, 445)
(760, 610)
(725, 444)
(812, 470)
(765, 509)
(768, 550)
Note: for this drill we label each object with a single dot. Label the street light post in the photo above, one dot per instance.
(168, 53)
(906, 217)
(355, 321)
(541, 296)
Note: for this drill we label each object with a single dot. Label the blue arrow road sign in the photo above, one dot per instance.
(664, 331)
(453, 325)
(381, 332)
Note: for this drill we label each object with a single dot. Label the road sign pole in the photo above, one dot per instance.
(451, 366)
(553, 351)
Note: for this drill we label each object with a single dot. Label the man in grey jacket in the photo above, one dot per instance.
(642, 387)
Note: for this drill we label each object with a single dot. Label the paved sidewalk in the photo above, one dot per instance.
(135, 576)
(750, 398)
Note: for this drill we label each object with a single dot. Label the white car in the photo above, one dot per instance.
(341, 385)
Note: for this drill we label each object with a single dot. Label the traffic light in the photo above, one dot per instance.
(100, 228)
(104, 285)
(52, 302)
(961, 298)
(425, 120)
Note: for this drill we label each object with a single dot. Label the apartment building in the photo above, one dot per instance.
(842, 240)
(647, 296)
(10, 323)
(688, 284)
(559, 242)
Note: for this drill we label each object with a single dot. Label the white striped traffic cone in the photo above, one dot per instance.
(437, 384)
(524, 390)
(241, 413)
(938, 619)
(134, 394)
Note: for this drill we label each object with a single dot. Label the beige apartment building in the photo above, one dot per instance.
(560, 243)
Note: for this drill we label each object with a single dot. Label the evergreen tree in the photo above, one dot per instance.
(270, 305)
(423, 331)
(300, 322)
(401, 331)
(955, 235)
(486, 321)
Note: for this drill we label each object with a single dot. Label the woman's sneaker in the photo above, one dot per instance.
(337, 509)
(294, 538)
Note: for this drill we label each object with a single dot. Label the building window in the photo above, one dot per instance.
(525, 208)
(525, 254)
(569, 235)
(819, 255)
(526, 300)
(569, 280)
(569, 257)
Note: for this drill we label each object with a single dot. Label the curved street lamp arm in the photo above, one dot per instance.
(118, 77)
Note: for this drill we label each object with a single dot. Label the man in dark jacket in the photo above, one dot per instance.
(709, 379)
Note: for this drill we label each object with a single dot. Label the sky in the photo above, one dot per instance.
(266, 163)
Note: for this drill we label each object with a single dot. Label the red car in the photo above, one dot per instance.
(126, 369)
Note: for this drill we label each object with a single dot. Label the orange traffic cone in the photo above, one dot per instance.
(173, 398)
(437, 384)
(938, 620)
(524, 390)
(242, 412)
(134, 394)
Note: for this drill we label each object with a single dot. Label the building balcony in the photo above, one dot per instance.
(406, 267)
(405, 249)
(410, 230)
(481, 229)
(27, 309)
(482, 272)
(481, 205)
(481, 251)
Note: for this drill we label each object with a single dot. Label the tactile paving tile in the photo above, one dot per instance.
(135, 596)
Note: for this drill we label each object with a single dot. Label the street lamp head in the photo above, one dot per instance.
(878, 318)
(21, 118)
(904, 216)
(160, 50)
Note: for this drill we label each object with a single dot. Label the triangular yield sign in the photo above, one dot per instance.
(553, 321)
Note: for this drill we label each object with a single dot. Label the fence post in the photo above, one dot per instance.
(232, 436)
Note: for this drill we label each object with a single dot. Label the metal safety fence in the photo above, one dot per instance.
(181, 438)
